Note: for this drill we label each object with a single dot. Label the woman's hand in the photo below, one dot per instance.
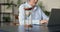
(44, 22)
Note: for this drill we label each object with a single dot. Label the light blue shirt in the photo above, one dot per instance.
(37, 14)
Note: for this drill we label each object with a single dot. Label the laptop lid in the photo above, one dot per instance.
(54, 19)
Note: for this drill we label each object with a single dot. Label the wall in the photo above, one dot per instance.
(49, 4)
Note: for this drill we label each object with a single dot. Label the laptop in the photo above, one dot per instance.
(54, 19)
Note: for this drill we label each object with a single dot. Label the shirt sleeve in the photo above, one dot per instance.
(21, 15)
(43, 15)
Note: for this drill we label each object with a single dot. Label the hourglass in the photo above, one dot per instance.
(28, 18)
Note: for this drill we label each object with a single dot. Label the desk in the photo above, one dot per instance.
(35, 28)
(41, 29)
